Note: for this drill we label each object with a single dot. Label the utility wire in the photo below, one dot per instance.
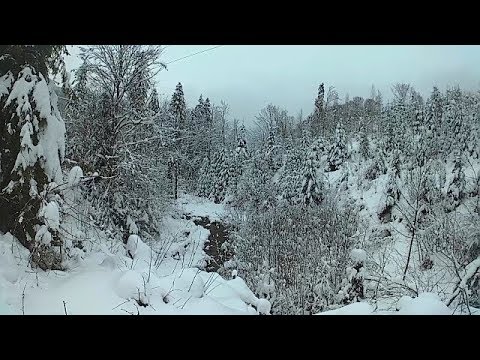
(199, 52)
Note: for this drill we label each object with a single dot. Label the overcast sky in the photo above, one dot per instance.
(248, 77)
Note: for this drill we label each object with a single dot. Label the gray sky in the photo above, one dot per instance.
(249, 77)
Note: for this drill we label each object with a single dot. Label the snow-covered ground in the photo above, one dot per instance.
(424, 304)
(162, 278)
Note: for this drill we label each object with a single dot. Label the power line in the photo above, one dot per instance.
(199, 52)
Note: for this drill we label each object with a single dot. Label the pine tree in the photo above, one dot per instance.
(153, 102)
(205, 179)
(198, 113)
(317, 119)
(338, 151)
(271, 152)
(291, 180)
(311, 188)
(364, 143)
(178, 115)
(433, 123)
(454, 118)
(241, 149)
(178, 108)
(456, 188)
(236, 163)
(221, 171)
(32, 148)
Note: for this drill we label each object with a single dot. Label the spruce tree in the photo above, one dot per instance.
(153, 102)
(178, 114)
(241, 149)
(32, 148)
(456, 188)
(317, 119)
(338, 151)
(178, 108)
(291, 181)
(311, 188)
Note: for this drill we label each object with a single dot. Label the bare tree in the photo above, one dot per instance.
(117, 71)
(400, 92)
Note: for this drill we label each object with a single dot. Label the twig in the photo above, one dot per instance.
(23, 300)
(121, 304)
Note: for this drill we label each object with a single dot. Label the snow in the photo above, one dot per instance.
(424, 304)
(197, 206)
(129, 285)
(263, 306)
(137, 249)
(74, 176)
(470, 270)
(403, 301)
(29, 89)
(28, 153)
(197, 288)
(108, 281)
(358, 308)
(132, 227)
(51, 215)
(5, 84)
(358, 255)
(43, 235)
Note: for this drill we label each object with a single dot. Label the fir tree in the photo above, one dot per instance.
(317, 119)
(178, 108)
(153, 102)
(338, 151)
(456, 188)
(311, 188)
(178, 114)
(241, 149)
(32, 148)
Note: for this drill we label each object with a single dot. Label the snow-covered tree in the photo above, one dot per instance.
(116, 137)
(354, 290)
(290, 182)
(176, 148)
(241, 149)
(318, 117)
(312, 188)
(456, 187)
(364, 145)
(153, 102)
(338, 151)
(32, 148)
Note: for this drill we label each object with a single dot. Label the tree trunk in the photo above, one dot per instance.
(175, 180)
(411, 241)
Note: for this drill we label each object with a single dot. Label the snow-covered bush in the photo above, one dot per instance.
(295, 256)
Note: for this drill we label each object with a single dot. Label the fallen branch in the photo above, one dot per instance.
(470, 271)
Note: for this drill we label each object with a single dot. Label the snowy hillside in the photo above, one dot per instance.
(115, 199)
(161, 279)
